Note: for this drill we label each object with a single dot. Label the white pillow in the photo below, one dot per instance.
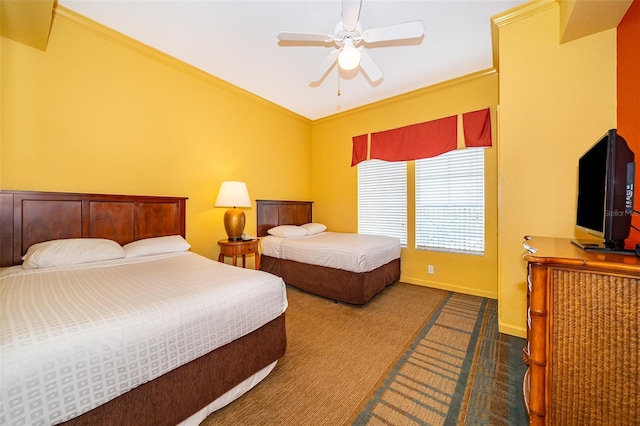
(313, 228)
(71, 251)
(156, 245)
(284, 231)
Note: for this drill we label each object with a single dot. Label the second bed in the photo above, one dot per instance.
(346, 267)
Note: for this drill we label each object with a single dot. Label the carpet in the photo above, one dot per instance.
(339, 356)
(459, 370)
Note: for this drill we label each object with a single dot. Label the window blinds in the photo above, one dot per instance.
(382, 199)
(450, 202)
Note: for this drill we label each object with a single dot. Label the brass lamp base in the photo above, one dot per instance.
(234, 224)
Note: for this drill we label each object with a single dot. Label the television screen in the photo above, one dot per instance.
(592, 180)
(606, 174)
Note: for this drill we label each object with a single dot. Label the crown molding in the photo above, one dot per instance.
(515, 14)
(102, 31)
(487, 73)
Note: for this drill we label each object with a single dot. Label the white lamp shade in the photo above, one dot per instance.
(233, 194)
(349, 56)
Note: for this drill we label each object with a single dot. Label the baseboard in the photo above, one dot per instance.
(512, 331)
(449, 287)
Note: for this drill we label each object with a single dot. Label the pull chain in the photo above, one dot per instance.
(338, 83)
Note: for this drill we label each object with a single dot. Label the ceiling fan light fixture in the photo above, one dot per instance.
(347, 36)
(349, 56)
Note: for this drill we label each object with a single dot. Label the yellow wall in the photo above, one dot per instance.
(334, 181)
(99, 113)
(556, 100)
(26, 21)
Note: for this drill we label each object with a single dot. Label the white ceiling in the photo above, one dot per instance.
(236, 40)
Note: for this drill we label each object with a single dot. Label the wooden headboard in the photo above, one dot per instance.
(274, 212)
(29, 217)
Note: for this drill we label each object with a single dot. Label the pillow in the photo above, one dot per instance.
(71, 251)
(287, 231)
(156, 245)
(313, 228)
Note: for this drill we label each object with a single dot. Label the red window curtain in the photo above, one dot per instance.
(359, 153)
(416, 141)
(477, 128)
(424, 140)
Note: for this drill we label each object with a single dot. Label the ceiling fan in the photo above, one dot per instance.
(348, 36)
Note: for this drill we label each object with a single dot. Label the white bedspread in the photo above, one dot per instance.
(349, 252)
(73, 338)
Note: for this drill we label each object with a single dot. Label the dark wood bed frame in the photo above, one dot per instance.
(344, 286)
(28, 217)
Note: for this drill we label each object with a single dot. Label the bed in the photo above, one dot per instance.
(172, 367)
(355, 282)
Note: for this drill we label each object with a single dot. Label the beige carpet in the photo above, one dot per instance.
(336, 354)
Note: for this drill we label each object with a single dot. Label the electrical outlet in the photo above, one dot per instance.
(430, 269)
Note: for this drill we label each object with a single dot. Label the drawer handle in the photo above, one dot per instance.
(529, 317)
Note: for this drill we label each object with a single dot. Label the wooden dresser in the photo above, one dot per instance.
(583, 335)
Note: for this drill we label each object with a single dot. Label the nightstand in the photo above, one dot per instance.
(239, 248)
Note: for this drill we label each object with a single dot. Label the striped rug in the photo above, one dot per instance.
(459, 370)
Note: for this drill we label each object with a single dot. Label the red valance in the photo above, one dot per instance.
(359, 153)
(425, 140)
(477, 128)
(422, 140)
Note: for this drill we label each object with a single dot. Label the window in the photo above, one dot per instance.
(382, 199)
(450, 202)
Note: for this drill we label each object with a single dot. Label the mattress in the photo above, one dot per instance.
(75, 337)
(349, 252)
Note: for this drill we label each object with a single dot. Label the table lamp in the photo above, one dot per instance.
(233, 194)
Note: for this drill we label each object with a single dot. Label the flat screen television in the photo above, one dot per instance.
(606, 174)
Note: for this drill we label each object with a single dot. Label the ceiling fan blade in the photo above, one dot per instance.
(310, 37)
(413, 29)
(369, 67)
(327, 63)
(350, 14)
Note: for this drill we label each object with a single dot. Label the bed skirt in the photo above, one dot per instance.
(350, 287)
(176, 395)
